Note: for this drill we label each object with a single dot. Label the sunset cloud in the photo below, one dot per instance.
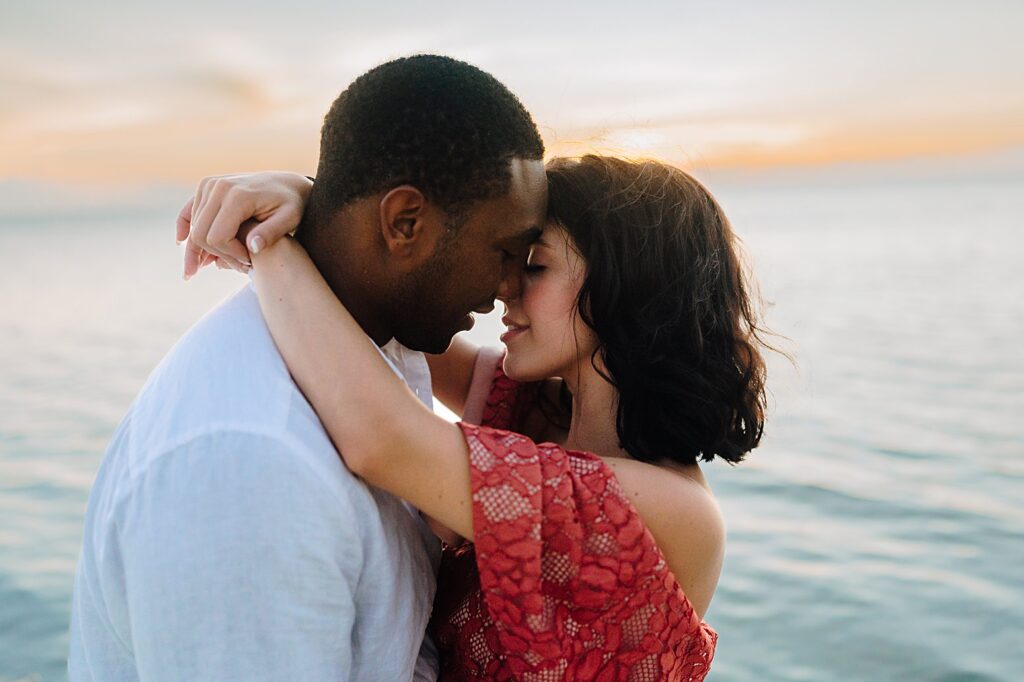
(117, 92)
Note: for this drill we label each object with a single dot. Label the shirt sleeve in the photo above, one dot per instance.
(494, 398)
(239, 563)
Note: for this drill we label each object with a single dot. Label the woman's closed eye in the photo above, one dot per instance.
(532, 264)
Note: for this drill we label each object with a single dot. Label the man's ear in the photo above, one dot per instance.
(409, 223)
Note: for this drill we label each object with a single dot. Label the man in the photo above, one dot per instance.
(224, 538)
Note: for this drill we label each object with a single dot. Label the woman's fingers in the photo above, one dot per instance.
(216, 198)
(204, 211)
(224, 228)
(196, 259)
(270, 230)
(193, 259)
(192, 238)
(196, 230)
(184, 223)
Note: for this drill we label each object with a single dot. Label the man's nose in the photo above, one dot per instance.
(510, 285)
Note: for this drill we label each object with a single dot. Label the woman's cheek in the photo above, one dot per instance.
(533, 296)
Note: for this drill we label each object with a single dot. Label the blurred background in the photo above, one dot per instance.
(870, 154)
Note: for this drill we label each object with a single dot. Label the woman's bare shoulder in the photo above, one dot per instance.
(679, 509)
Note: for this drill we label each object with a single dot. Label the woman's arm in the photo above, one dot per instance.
(451, 373)
(384, 433)
(274, 201)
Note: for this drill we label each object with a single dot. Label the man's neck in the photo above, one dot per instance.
(346, 279)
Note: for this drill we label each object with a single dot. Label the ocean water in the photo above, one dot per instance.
(877, 534)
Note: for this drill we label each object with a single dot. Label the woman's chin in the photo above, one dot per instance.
(520, 367)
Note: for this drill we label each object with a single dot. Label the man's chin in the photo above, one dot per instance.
(434, 344)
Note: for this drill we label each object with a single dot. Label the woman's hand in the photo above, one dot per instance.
(269, 203)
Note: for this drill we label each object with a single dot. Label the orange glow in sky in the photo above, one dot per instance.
(116, 93)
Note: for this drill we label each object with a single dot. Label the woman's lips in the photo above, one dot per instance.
(513, 332)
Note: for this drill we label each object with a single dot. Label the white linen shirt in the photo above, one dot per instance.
(226, 540)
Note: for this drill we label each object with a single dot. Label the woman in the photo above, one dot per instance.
(632, 352)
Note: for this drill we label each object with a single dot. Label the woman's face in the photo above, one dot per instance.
(546, 337)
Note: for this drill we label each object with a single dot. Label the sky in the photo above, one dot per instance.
(115, 93)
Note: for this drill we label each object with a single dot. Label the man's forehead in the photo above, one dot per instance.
(529, 235)
(529, 186)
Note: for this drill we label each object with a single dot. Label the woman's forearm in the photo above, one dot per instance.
(381, 429)
(330, 357)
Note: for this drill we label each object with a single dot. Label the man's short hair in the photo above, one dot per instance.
(436, 123)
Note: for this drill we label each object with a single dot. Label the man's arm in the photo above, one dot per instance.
(240, 563)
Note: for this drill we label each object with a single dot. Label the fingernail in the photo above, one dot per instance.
(177, 241)
(256, 243)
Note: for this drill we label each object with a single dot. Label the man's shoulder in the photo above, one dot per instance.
(229, 337)
(224, 376)
(229, 466)
(244, 461)
(225, 369)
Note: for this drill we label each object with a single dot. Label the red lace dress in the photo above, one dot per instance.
(563, 581)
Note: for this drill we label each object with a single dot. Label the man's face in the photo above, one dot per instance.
(465, 275)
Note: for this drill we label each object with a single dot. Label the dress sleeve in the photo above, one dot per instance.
(494, 399)
(567, 568)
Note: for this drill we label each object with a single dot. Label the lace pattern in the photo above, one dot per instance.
(564, 581)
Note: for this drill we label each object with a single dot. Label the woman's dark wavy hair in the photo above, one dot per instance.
(668, 296)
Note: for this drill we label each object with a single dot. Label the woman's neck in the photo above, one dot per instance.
(594, 417)
(594, 410)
